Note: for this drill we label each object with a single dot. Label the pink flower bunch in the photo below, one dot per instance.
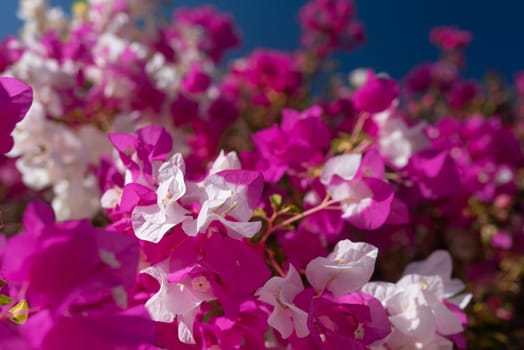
(264, 77)
(299, 142)
(195, 207)
(486, 153)
(329, 25)
(103, 70)
(450, 38)
(70, 285)
(217, 31)
(15, 99)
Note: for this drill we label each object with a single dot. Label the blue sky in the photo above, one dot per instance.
(397, 30)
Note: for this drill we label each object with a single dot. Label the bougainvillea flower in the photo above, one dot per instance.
(216, 268)
(417, 304)
(218, 32)
(450, 38)
(279, 292)
(356, 181)
(352, 321)
(151, 222)
(128, 329)
(143, 153)
(434, 173)
(70, 262)
(15, 99)
(376, 94)
(397, 141)
(329, 25)
(231, 198)
(179, 296)
(345, 270)
(77, 279)
(242, 332)
(301, 139)
(438, 263)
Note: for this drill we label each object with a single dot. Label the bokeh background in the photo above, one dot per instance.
(397, 30)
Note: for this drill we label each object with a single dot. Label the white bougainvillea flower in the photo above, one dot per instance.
(345, 270)
(178, 297)
(152, 222)
(344, 166)
(280, 292)
(397, 141)
(230, 197)
(416, 309)
(225, 161)
(440, 263)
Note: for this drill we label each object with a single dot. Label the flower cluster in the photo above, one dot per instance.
(102, 71)
(154, 200)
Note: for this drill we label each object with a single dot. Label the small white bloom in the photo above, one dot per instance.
(345, 270)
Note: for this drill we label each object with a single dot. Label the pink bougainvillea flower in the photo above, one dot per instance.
(10, 52)
(357, 182)
(15, 99)
(142, 154)
(419, 78)
(128, 329)
(242, 332)
(329, 25)
(301, 246)
(352, 321)
(345, 270)
(462, 93)
(264, 76)
(70, 262)
(450, 38)
(197, 80)
(217, 31)
(216, 268)
(77, 279)
(376, 94)
(301, 139)
(267, 69)
(434, 173)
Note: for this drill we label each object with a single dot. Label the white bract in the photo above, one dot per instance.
(415, 304)
(180, 299)
(226, 196)
(397, 141)
(51, 155)
(280, 292)
(345, 270)
(152, 222)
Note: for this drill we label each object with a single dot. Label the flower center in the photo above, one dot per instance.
(200, 284)
(359, 332)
